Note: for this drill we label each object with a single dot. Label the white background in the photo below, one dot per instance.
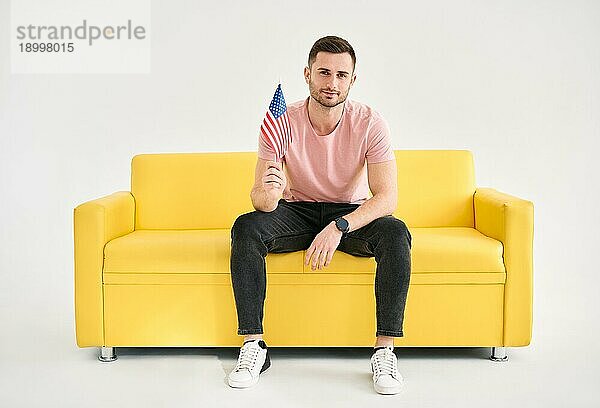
(515, 82)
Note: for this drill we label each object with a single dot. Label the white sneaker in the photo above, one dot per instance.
(384, 365)
(253, 360)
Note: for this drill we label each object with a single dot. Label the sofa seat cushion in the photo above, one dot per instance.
(435, 250)
(438, 255)
(182, 251)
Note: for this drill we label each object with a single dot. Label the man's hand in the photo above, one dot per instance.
(274, 180)
(323, 246)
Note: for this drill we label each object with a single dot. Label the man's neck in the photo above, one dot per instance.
(324, 119)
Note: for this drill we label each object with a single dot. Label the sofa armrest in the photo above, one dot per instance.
(95, 223)
(509, 219)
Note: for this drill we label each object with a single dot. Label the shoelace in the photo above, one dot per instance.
(385, 363)
(247, 357)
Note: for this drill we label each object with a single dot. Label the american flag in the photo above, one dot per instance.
(276, 125)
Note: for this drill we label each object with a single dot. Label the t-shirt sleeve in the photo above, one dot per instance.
(265, 151)
(379, 145)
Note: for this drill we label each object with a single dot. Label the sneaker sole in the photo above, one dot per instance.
(387, 390)
(254, 381)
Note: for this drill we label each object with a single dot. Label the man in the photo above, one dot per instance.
(319, 204)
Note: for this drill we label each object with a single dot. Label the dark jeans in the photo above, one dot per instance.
(292, 226)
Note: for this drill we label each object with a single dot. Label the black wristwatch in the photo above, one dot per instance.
(342, 224)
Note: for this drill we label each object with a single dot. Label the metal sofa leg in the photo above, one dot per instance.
(499, 354)
(107, 354)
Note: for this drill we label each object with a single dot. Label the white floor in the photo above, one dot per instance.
(42, 366)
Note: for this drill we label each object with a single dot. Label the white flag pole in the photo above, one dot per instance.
(278, 83)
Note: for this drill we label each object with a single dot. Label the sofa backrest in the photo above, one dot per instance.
(210, 190)
(435, 188)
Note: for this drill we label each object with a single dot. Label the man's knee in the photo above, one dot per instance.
(396, 231)
(245, 224)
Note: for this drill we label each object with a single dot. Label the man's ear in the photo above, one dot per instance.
(306, 74)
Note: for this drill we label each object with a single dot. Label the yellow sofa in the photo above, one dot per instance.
(152, 264)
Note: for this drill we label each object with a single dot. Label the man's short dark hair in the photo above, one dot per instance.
(332, 44)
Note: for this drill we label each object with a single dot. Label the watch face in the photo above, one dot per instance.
(342, 224)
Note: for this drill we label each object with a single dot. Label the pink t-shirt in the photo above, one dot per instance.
(332, 168)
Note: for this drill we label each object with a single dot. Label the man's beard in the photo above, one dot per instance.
(323, 101)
